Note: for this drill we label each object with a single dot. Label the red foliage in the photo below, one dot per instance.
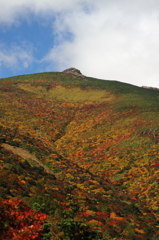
(102, 214)
(113, 222)
(19, 222)
(156, 165)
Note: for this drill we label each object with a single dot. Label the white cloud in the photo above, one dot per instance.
(109, 39)
(17, 57)
(112, 42)
(11, 10)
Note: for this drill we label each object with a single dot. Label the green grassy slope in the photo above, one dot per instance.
(96, 140)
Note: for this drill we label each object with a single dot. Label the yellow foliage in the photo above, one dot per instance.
(75, 94)
(139, 230)
(68, 175)
(90, 213)
(114, 216)
(94, 222)
(55, 189)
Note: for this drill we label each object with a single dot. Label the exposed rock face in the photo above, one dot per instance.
(151, 88)
(74, 71)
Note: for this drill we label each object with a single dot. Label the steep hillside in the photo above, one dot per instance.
(82, 151)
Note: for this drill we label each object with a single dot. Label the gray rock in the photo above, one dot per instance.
(74, 71)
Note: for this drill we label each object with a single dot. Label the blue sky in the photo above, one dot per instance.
(114, 40)
(34, 38)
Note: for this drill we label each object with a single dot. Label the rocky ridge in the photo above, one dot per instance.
(154, 88)
(74, 71)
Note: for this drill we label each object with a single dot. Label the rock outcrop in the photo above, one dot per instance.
(151, 88)
(74, 71)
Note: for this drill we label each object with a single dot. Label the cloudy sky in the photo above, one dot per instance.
(114, 40)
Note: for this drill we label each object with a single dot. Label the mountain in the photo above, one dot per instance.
(79, 158)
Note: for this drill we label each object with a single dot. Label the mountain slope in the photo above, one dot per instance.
(96, 140)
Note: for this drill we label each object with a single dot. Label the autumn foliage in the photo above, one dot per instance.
(17, 221)
(97, 141)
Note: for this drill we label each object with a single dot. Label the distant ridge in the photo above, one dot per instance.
(154, 88)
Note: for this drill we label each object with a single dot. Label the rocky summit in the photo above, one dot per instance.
(73, 71)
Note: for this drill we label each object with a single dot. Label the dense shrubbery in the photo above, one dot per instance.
(96, 140)
(19, 222)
